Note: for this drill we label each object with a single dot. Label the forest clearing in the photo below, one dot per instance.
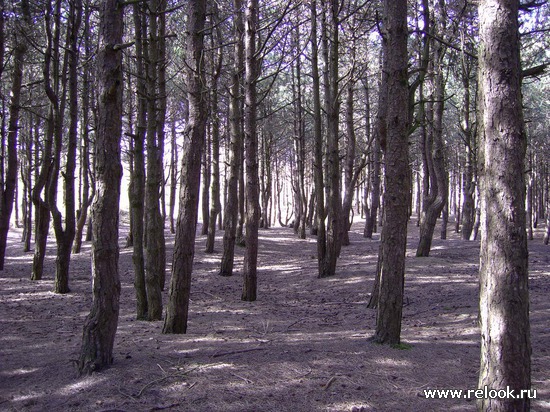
(302, 346)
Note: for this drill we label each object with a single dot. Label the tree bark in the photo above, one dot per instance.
(101, 324)
(231, 209)
(332, 108)
(318, 146)
(155, 259)
(504, 289)
(215, 195)
(397, 194)
(65, 235)
(7, 191)
(184, 249)
(252, 67)
(137, 180)
(85, 167)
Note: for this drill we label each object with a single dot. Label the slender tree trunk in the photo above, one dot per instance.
(437, 185)
(85, 167)
(26, 174)
(216, 204)
(137, 204)
(231, 209)
(252, 68)
(101, 324)
(65, 235)
(7, 191)
(468, 183)
(184, 249)
(504, 289)
(397, 191)
(173, 175)
(155, 260)
(206, 176)
(332, 108)
(318, 146)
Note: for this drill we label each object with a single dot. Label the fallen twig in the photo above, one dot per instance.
(330, 382)
(234, 352)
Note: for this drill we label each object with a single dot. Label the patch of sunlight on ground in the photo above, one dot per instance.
(81, 385)
(349, 406)
(36, 295)
(392, 362)
(24, 258)
(20, 371)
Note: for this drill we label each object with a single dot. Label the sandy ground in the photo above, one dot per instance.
(302, 346)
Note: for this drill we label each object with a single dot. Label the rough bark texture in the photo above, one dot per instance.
(397, 180)
(184, 248)
(332, 107)
(154, 257)
(251, 145)
(101, 324)
(504, 291)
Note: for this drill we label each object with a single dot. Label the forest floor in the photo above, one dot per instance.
(302, 346)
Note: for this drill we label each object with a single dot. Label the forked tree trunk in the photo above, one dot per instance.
(101, 324)
(503, 271)
(436, 188)
(184, 249)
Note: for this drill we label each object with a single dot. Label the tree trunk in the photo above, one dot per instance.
(397, 191)
(504, 289)
(332, 107)
(468, 182)
(216, 204)
(65, 235)
(101, 324)
(137, 180)
(206, 176)
(437, 185)
(173, 175)
(184, 249)
(318, 146)
(252, 68)
(85, 167)
(155, 259)
(231, 209)
(7, 191)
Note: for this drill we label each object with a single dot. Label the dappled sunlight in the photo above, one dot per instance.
(304, 338)
(20, 371)
(81, 385)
